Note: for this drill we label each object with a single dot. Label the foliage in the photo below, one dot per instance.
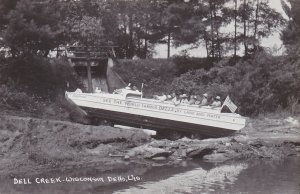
(203, 23)
(32, 28)
(43, 78)
(88, 31)
(184, 64)
(255, 84)
(291, 34)
(156, 74)
(37, 26)
(13, 99)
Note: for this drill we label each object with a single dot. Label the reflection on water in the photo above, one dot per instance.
(257, 176)
(189, 182)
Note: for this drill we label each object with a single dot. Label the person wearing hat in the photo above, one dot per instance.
(161, 98)
(193, 100)
(176, 100)
(204, 100)
(128, 87)
(216, 102)
(134, 88)
(184, 99)
(170, 96)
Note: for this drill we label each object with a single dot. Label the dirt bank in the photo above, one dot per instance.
(30, 146)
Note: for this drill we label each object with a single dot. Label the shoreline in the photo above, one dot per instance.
(36, 146)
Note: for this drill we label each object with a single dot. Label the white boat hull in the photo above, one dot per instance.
(153, 114)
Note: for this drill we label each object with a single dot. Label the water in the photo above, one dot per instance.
(256, 176)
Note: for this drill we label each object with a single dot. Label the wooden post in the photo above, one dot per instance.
(89, 72)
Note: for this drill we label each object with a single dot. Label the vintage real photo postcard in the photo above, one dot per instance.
(149, 96)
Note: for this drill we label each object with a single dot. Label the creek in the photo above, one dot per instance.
(253, 176)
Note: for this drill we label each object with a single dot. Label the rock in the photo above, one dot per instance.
(183, 154)
(216, 157)
(149, 152)
(126, 157)
(159, 158)
(158, 154)
(159, 143)
(200, 152)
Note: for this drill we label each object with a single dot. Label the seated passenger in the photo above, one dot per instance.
(184, 99)
(193, 99)
(161, 98)
(198, 100)
(128, 87)
(216, 103)
(78, 90)
(176, 100)
(169, 97)
(135, 88)
(98, 90)
(204, 100)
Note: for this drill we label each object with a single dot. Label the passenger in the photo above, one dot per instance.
(204, 100)
(134, 88)
(161, 98)
(198, 100)
(169, 97)
(176, 100)
(216, 103)
(184, 99)
(193, 100)
(128, 87)
(98, 90)
(78, 90)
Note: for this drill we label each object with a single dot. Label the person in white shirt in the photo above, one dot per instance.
(216, 102)
(204, 100)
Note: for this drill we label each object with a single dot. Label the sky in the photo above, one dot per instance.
(273, 42)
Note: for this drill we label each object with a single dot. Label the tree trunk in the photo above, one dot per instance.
(139, 50)
(245, 29)
(131, 44)
(206, 45)
(169, 44)
(146, 48)
(256, 22)
(89, 72)
(212, 30)
(46, 53)
(57, 51)
(218, 49)
(235, 28)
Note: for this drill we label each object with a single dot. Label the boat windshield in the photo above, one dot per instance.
(128, 93)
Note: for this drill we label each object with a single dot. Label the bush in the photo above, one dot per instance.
(41, 77)
(156, 74)
(36, 86)
(261, 83)
(14, 100)
(185, 64)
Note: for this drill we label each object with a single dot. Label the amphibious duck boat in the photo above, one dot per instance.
(128, 107)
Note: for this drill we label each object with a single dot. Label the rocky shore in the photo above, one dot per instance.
(31, 146)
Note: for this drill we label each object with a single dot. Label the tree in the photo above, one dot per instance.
(32, 28)
(259, 20)
(202, 20)
(291, 34)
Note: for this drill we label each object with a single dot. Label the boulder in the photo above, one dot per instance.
(199, 152)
